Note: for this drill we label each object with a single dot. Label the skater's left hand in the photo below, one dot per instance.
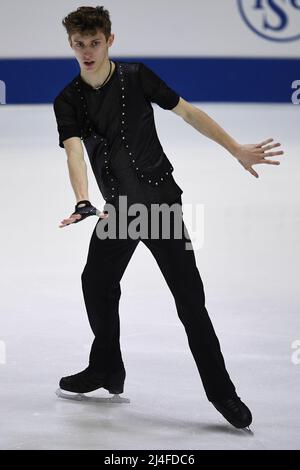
(253, 154)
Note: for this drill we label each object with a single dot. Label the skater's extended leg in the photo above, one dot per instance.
(179, 269)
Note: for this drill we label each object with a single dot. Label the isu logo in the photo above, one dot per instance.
(276, 20)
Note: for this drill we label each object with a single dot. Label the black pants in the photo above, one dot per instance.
(106, 262)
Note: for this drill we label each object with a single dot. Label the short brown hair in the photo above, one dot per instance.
(87, 20)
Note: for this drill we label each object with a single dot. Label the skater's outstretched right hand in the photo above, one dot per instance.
(83, 209)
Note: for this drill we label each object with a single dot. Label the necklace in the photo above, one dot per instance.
(98, 87)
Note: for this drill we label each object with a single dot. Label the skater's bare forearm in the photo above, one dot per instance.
(77, 168)
(211, 129)
(78, 176)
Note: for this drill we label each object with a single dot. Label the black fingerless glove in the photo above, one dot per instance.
(84, 211)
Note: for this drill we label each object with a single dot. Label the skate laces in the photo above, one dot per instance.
(233, 404)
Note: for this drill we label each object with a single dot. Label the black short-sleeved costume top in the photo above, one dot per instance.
(68, 125)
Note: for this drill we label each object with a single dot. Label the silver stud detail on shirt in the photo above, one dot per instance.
(154, 180)
(87, 128)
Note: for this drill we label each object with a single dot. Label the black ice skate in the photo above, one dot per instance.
(235, 411)
(85, 382)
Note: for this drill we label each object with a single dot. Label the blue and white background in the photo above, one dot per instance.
(217, 50)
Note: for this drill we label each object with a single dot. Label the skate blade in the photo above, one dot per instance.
(248, 431)
(82, 397)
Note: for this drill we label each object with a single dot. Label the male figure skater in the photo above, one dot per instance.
(108, 106)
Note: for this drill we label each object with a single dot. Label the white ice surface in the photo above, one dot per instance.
(249, 264)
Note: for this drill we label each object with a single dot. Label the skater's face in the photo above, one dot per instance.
(91, 50)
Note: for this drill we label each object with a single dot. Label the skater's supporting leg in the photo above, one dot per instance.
(106, 262)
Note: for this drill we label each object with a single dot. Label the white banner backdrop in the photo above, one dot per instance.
(207, 28)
